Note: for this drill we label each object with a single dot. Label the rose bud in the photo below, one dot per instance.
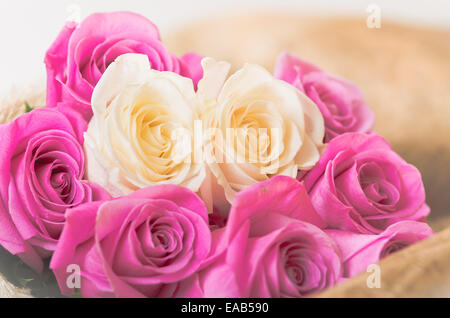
(272, 246)
(260, 127)
(147, 244)
(81, 53)
(361, 185)
(42, 168)
(361, 250)
(132, 140)
(340, 102)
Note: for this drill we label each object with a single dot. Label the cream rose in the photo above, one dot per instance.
(258, 127)
(131, 140)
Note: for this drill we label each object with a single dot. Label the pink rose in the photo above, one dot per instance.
(361, 250)
(272, 246)
(340, 102)
(146, 244)
(360, 184)
(41, 175)
(80, 55)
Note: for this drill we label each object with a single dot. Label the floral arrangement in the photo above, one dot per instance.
(161, 176)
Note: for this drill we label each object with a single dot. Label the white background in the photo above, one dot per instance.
(27, 27)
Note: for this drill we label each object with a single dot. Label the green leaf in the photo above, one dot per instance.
(28, 108)
(76, 294)
(25, 281)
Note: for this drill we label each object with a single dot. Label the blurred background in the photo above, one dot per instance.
(28, 27)
(397, 52)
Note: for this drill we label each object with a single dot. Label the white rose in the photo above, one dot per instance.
(277, 129)
(130, 141)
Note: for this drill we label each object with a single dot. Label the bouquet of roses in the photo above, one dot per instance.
(151, 175)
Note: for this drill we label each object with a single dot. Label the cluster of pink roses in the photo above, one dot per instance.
(330, 211)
